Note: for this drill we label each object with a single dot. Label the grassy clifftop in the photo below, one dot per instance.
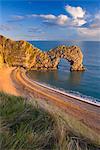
(29, 127)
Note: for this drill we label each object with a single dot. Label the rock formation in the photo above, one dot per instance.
(24, 54)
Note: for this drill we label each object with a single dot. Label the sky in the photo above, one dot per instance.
(50, 19)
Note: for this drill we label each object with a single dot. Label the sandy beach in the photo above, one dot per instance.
(6, 83)
(15, 82)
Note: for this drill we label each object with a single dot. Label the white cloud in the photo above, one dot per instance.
(97, 15)
(95, 20)
(48, 17)
(78, 22)
(89, 32)
(75, 12)
(78, 15)
(62, 19)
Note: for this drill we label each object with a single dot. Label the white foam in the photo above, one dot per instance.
(79, 96)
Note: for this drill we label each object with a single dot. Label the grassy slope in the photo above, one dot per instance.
(26, 126)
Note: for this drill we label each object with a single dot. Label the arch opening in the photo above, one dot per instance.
(64, 64)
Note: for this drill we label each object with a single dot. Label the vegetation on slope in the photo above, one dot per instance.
(26, 126)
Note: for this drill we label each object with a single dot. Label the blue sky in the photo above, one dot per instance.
(50, 19)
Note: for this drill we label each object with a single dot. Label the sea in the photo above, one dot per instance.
(83, 84)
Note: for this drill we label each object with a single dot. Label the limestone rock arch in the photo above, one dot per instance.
(72, 54)
(24, 54)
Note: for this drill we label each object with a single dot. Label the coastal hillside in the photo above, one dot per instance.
(24, 54)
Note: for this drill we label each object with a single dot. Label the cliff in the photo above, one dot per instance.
(24, 54)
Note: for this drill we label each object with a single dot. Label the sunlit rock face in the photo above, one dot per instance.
(24, 54)
(72, 53)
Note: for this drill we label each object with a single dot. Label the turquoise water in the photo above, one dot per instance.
(85, 84)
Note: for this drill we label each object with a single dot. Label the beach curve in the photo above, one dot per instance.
(15, 82)
(87, 113)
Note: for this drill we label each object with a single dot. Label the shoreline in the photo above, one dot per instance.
(7, 85)
(66, 93)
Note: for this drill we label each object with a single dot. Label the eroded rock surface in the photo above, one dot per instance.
(24, 54)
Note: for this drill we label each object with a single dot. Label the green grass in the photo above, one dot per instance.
(26, 126)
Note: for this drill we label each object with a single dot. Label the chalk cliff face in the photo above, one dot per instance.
(21, 53)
